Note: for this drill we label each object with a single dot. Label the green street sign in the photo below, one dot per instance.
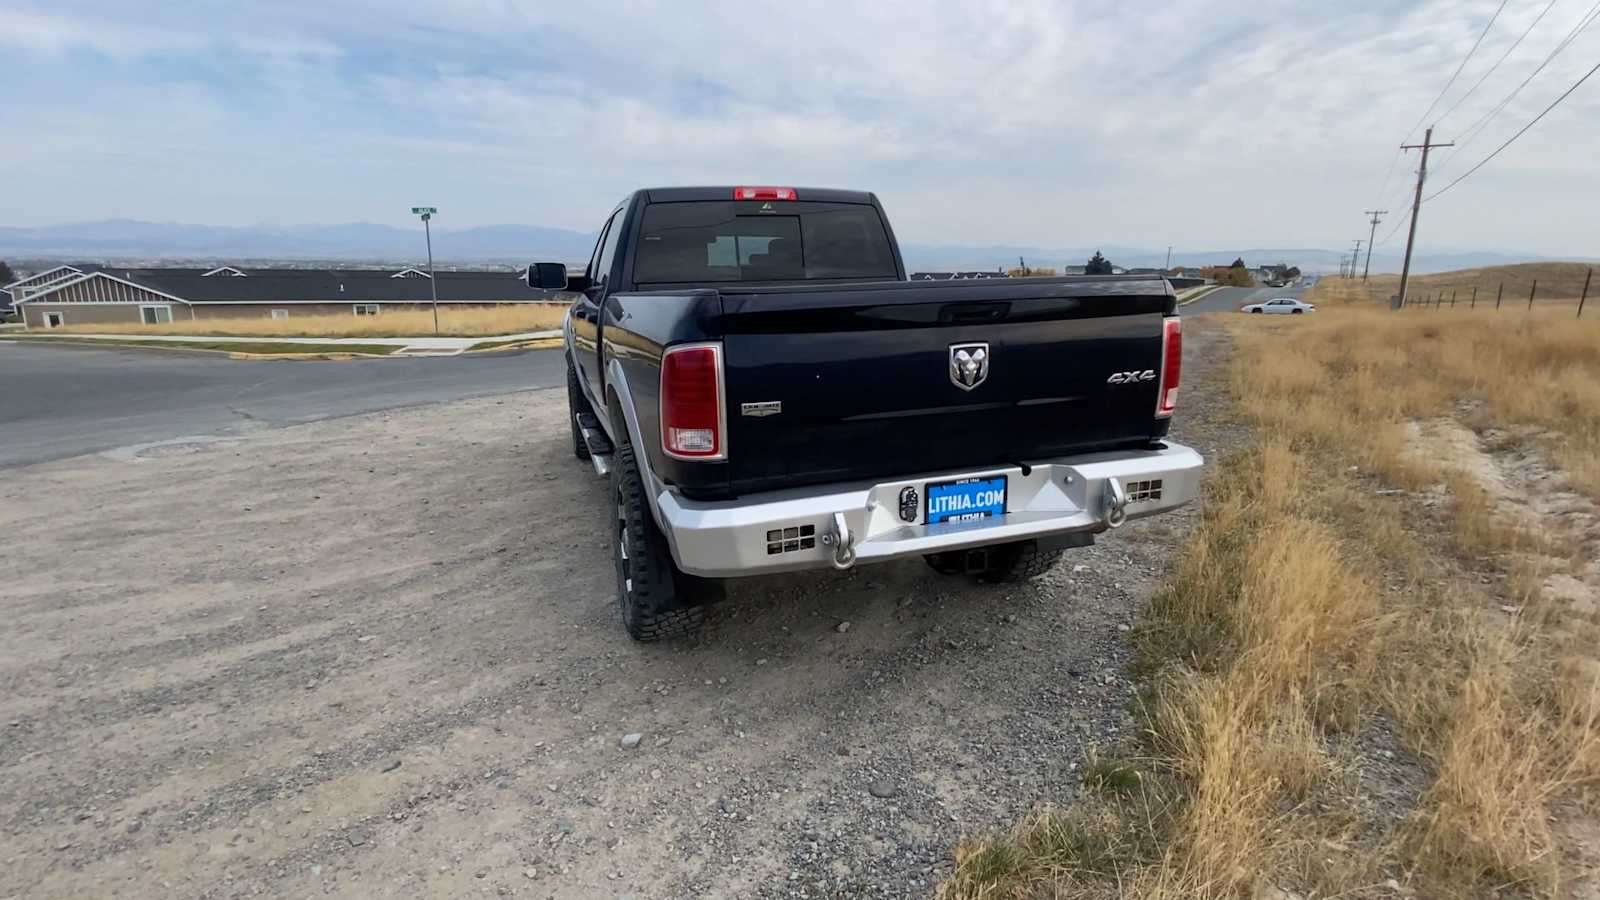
(423, 210)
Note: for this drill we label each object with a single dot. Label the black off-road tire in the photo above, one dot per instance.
(1257, 311)
(944, 564)
(656, 600)
(1010, 563)
(575, 404)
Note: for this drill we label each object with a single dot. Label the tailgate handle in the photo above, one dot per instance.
(975, 312)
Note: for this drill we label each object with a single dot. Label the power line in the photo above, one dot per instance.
(1520, 132)
(1509, 50)
(1453, 76)
(1476, 129)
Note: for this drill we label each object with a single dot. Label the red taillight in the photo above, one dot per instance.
(763, 193)
(691, 402)
(1171, 365)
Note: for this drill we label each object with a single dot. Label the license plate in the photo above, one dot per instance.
(969, 498)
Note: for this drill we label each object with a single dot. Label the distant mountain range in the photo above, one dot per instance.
(943, 258)
(130, 240)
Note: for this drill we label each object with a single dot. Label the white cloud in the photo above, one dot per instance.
(1203, 124)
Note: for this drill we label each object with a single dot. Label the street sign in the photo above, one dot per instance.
(423, 210)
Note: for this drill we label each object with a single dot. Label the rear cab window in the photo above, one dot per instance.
(718, 241)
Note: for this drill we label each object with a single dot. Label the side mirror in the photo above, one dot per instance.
(548, 276)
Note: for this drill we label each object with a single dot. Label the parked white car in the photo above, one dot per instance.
(1282, 305)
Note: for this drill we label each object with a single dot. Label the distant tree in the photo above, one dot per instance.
(6, 275)
(1228, 276)
(1097, 265)
(1239, 264)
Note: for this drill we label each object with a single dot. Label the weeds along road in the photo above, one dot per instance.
(68, 400)
(378, 657)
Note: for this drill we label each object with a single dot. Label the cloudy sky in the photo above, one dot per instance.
(1229, 123)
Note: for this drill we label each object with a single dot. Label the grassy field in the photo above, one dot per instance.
(454, 322)
(1558, 283)
(1377, 665)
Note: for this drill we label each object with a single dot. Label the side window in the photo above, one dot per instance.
(593, 270)
(608, 247)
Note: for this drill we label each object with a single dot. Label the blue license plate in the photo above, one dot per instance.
(969, 498)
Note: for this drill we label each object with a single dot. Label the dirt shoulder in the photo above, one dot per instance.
(378, 657)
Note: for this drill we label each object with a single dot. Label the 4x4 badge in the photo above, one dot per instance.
(764, 408)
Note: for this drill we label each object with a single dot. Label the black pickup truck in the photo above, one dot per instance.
(767, 392)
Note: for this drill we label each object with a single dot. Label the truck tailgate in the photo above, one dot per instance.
(855, 382)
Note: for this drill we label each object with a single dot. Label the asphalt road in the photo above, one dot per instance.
(1230, 299)
(57, 402)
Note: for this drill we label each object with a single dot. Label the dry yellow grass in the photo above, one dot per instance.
(461, 322)
(1559, 282)
(1308, 605)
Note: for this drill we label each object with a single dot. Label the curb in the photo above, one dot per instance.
(1200, 294)
(183, 348)
(72, 343)
(328, 356)
(534, 344)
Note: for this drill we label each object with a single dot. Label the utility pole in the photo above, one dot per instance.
(1377, 216)
(1416, 205)
(1169, 258)
(1355, 258)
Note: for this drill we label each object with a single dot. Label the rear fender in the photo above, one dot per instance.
(622, 417)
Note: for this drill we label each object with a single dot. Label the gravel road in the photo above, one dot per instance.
(378, 657)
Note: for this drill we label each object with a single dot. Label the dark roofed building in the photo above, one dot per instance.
(112, 295)
(14, 292)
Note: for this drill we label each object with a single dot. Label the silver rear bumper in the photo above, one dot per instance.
(860, 523)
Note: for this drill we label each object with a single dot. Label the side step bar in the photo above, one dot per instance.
(594, 437)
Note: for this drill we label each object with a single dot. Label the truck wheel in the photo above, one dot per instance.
(944, 563)
(575, 404)
(657, 601)
(1018, 562)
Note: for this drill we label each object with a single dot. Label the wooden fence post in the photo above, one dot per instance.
(1530, 292)
(1499, 294)
(1585, 296)
(1474, 303)
(1452, 298)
